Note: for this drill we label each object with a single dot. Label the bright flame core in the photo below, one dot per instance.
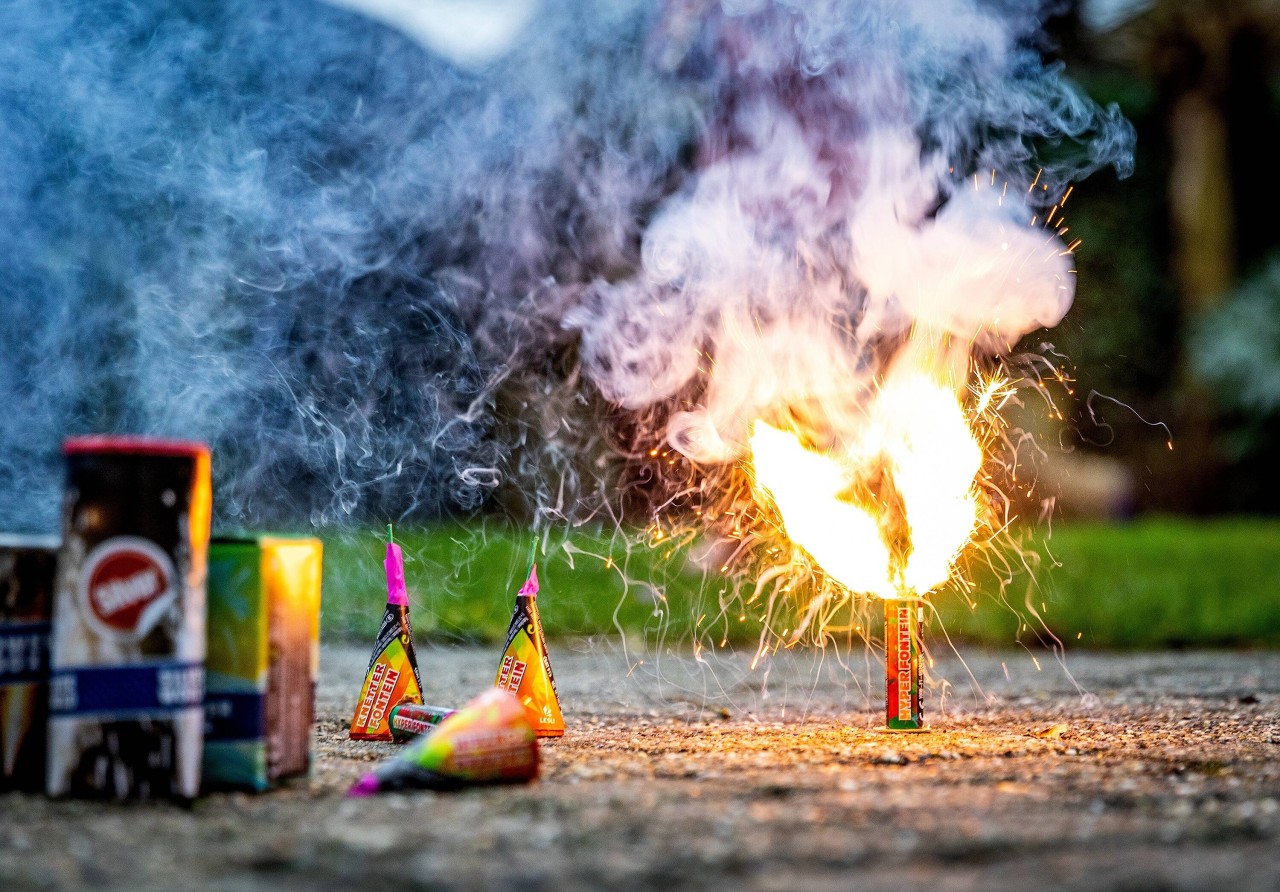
(889, 512)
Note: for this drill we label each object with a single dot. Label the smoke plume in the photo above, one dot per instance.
(387, 272)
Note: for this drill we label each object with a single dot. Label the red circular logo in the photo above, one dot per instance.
(123, 582)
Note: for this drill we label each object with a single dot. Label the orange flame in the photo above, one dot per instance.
(889, 511)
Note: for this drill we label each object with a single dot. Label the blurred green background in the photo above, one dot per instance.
(1177, 313)
(1152, 583)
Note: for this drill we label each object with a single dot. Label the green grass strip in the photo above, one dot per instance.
(1150, 584)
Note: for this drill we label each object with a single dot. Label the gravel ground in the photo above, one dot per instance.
(1125, 772)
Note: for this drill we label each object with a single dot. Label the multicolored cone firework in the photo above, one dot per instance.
(488, 741)
(392, 677)
(525, 669)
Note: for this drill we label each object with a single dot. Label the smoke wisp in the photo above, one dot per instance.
(381, 279)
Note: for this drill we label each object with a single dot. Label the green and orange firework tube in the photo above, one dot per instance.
(525, 670)
(903, 709)
(263, 655)
(392, 677)
(410, 720)
(488, 741)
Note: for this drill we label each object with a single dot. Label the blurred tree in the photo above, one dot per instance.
(1211, 62)
(1235, 350)
(1198, 78)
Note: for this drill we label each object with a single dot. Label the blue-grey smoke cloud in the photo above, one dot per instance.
(292, 232)
(362, 270)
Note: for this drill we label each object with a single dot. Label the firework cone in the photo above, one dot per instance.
(392, 677)
(525, 669)
(488, 741)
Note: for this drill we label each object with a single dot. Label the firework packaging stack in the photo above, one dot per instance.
(903, 709)
(26, 592)
(127, 643)
(410, 720)
(392, 677)
(488, 741)
(525, 669)
(260, 671)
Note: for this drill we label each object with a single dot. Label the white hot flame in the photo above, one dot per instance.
(917, 436)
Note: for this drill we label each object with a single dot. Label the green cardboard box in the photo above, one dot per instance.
(264, 646)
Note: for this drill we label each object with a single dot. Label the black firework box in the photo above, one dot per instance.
(26, 592)
(127, 645)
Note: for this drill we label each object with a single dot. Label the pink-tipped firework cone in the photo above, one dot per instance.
(525, 670)
(392, 677)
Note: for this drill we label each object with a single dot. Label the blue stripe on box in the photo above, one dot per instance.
(235, 717)
(153, 687)
(24, 652)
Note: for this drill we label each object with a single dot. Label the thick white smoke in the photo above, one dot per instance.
(868, 176)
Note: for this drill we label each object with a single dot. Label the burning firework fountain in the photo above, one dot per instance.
(829, 303)
(886, 515)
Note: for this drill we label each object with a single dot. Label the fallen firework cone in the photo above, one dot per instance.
(488, 741)
(392, 677)
(525, 669)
